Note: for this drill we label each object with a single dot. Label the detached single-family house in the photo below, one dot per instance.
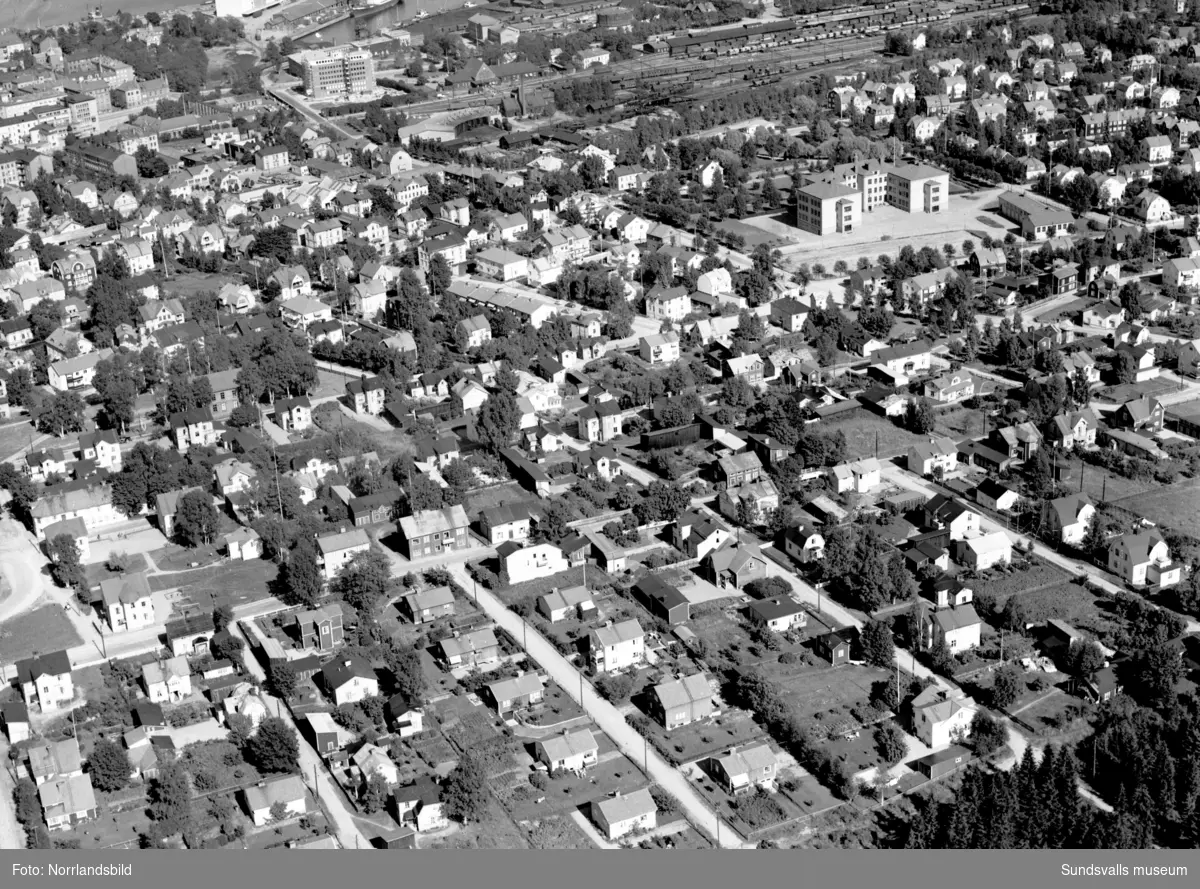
(169, 681)
(517, 693)
(349, 679)
(625, 813)
(741, 771)
(569, 752)
(1143, 559)
(681, 701)
(288, 791)
(941, 716)
(615, 647)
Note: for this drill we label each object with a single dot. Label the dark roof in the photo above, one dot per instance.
(338, 673)
(14, 711)
(658, 590)
(776, 607)
(146, 713)
(56, 663)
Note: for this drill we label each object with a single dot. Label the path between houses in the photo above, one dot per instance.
(606, 716)
(590, 831)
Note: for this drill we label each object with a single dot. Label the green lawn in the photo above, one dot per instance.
(233, 582)
(43, 630)
(864, 431)
(1176, 506)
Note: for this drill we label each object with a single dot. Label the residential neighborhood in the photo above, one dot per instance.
(712, 425)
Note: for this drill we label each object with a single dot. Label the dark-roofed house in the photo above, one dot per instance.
(1101, 686)
(697, 534)
(404, 716)
(662, 600)
(191, 634)
(745, 770)
(193, 428)
(46, 680)
(16, 721)
(420, 804)
(942, 762)
(834, 646)
(516, 693)
(349, 679)
(779, 613)
(505, 522)
(681, 701)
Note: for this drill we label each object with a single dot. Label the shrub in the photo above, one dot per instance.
(539, 780)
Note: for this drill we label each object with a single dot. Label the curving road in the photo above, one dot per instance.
(605, 714)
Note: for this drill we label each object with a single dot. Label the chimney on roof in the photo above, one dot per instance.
(346, 663)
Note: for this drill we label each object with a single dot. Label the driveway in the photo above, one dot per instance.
(209, 730)
(605, 715)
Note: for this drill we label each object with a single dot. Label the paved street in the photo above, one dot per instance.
(898, 476)
(605, 715)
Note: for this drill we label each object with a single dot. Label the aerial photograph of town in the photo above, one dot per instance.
(618, 424)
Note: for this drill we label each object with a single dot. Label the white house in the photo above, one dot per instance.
(940, 715)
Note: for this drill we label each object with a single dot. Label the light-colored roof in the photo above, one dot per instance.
(568, 745)
(752, 759)
(627, 806)
(680, 692)
(282, 790)
(334, 543)
(618, 633)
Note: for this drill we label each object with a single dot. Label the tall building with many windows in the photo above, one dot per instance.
(341, 71)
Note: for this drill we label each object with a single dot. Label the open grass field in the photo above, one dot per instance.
(14, 437)
(556, 832)
(1176, 506)
(231, 582)
(960, 422)
(1101, 485)
(495, 831)
(863, 431)
(97, 571)
(509, 494)
(42, 630)
(826, 699)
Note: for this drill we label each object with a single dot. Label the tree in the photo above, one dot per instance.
(241, 727)
(60, 414)
(499, 420)
(439, 276)
(1126, 366)
(364, 580)
(109, 766)
(1085, 659)
(196, 519)
(465, 794)
(921, 419)
(274, 748)
(171, 800)
(375, 796)
(65, 565)
(987, 734)
(283, 681)
(301, 575)
(278, 811)
(877, 645)
(889, 741)
(1006, 687)
(404, 662)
